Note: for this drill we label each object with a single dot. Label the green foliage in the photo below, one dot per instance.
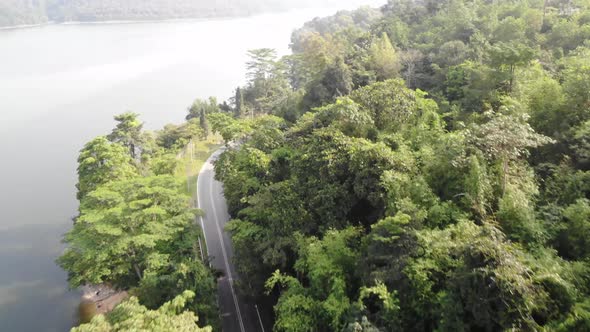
(164, 164)
(131, 316)
(121, 229)
(384, 58)
(386, 303)
(267, 82)
(577, 230)
(100, 162)
(204, 124)
(225, 125)
(161, 285)
(295, 311)
(564, 184)
(505, 58)
(136, 230)
(335, 81)
(267, 132)
(517, 216)
(329, 265)
(261, 64)
(487, 284)
(345, 115)
(577, 320)
(175, 137)
(505, 139)
(128, 133)
(201, 106)
(390, 103)
(478, 188)
(544, 98)
(576, 75)
(581, 144)
(460, 201)
(241, 171)
(239, 109)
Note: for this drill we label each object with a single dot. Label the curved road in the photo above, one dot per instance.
(236, 314)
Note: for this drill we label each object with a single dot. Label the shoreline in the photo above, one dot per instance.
(98, 300)
(23, 26)
(195, 18)
(159, 20)
(114, 22)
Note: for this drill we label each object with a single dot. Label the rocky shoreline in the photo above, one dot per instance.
(99, 299)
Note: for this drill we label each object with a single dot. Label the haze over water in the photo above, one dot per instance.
(60, 85)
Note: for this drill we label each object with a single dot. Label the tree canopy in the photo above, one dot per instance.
(132, 316)
(430, 174)
(136, 230)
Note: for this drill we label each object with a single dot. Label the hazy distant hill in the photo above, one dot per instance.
(19, 12)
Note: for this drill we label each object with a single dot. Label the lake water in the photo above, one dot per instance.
(60, 85)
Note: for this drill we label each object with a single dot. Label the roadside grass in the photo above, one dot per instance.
(191, 159)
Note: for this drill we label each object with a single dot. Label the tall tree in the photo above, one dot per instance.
(261, 64)
(329, 265)
(411, 60)
(239, 101)
(506, 57)
(576, 85)
(506, 138)
(384, 58)
(128, 132)
(390, 103)
(267, 80)
(203, 123)
(100, 162)
(335, 82)
(121, 228)
(207, 106)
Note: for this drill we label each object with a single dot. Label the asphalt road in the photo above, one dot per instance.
(236, 314)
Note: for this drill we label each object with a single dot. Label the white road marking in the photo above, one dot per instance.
(259, 318)
(225, 259)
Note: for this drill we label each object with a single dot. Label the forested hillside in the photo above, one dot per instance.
(24, 12)
(421, 167)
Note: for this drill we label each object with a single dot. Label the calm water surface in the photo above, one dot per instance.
(60, 86)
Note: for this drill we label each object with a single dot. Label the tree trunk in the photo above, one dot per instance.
(512, 70)
(132, 257)
(132, 150)
(504, 175)
(137, 271)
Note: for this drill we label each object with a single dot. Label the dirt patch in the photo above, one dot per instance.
(99, 299)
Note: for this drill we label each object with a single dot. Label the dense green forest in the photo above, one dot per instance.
(423, 167)
(136, 228)
(26, 12)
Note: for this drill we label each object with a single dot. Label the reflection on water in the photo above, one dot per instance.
(86, 311)
(9, 294)
(33, 293)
